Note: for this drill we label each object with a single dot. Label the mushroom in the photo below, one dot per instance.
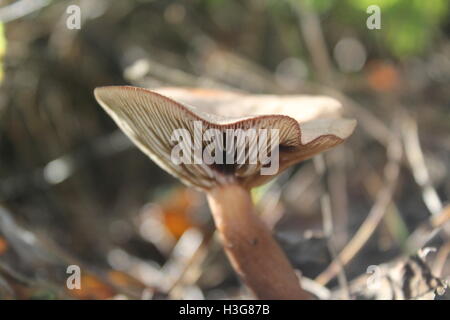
(162, 120)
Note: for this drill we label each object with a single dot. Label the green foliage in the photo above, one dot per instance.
(2, 49)
(363, 4)
(407, 26)
(319, 5)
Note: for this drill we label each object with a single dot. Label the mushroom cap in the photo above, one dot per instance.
(306, 126)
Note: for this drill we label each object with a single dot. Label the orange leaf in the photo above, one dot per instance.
(177, 210)
(383, 76)
(92, 288)
(3, 245)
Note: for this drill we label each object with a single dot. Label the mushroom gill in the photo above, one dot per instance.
(306, 126)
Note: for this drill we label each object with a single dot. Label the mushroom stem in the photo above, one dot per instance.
(250, 247)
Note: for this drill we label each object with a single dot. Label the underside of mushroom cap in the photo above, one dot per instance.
(305, 126)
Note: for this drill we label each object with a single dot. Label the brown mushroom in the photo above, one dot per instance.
(305, 126)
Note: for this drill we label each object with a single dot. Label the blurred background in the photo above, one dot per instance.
(75, 191)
